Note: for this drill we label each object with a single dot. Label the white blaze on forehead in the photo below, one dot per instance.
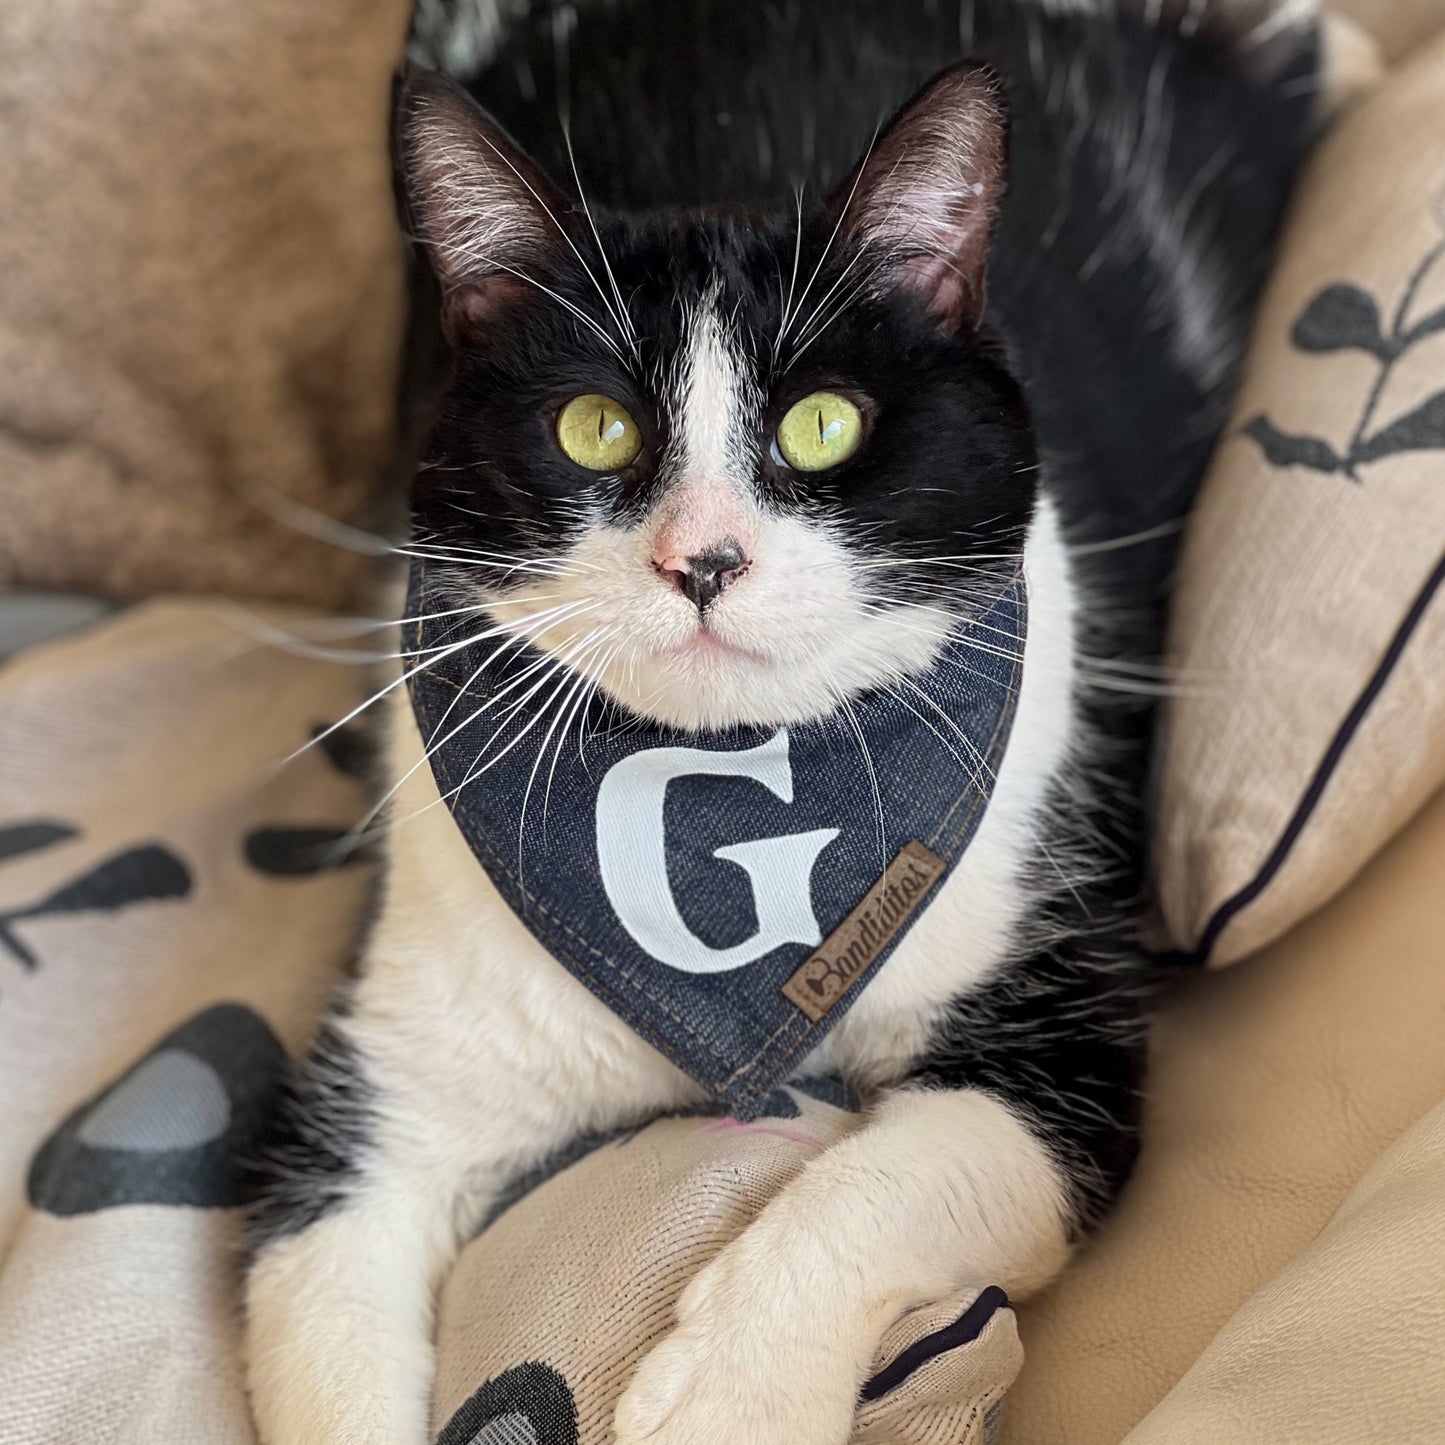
(715, 411)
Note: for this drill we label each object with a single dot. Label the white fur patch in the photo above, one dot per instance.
(716, 408)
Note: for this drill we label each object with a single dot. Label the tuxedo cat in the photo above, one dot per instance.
(865, 391)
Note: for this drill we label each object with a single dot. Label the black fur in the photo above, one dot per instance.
(315, 1143)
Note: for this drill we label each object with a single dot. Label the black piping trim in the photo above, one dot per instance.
(1231, 907)
(964, 1330)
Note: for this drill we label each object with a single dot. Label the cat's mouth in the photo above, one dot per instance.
(706, 644)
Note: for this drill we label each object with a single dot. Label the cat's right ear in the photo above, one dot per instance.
(484, 214)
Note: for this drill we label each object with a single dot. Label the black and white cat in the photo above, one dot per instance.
(749, 442)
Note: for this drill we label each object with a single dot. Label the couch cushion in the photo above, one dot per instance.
(1400, 27)
(1272, 1089)
(1344, 1344)
(200, 290)
(1309, 622)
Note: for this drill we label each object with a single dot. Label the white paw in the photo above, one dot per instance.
(755, 1360)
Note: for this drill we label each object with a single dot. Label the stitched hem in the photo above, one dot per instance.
(1231, 908)
(963, 1331)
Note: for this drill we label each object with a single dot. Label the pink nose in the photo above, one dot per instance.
(703, 575)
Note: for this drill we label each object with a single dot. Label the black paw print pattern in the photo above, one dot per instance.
(178, 1127)
(289, 852)
(146, 873)
(530, 1404)
(1342, 318)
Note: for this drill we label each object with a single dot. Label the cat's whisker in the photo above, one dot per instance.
(359, 830)
(620, 315)
(852, 717)
(903, 702)
(447, 549)
(523, 630)
(312, 523)
(433, 743)
(441, 652)
(812, 328)
(553, 665)
(972, 748)
(837, 226)
(487, 564)
(1131, 539)
(470, 252)
(577, 667)
(787, 311)
(973, 622)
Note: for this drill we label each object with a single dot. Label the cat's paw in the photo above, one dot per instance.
(754, 1358)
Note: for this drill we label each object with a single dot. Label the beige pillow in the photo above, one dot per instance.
(1309, 626)
(200, 291)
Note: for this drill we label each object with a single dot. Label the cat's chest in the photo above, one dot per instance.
(475, 971)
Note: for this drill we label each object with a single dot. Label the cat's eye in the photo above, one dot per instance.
(597, 433)
(819, 432)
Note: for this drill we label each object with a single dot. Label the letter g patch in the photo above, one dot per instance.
(632, 854)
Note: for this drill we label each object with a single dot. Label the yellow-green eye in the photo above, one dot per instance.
(598, 434)
(819, 432)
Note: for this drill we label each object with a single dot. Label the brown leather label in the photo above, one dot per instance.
(865, 932)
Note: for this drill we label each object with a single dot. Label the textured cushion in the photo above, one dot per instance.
(167, 932)
(200, 290)
(1399, 26)
(550, 1309)
(171, 917)
(1272, 1088)
(1344, 1344)
(1309, 625)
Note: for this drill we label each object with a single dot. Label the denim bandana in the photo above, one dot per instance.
(728, 894)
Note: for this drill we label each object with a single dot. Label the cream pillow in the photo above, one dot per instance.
(1309, 622)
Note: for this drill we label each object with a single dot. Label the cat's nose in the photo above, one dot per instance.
(703, 575)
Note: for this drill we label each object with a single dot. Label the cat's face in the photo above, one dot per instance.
(733, 468)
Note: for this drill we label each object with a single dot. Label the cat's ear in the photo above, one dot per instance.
(485, 215)
(924, 200)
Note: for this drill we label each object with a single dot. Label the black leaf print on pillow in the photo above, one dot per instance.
(1284, 450)
(17, 839)
(149, 873)
(283, 851)
(1434, 322)
(300, 852)
(1339, 318)
(349, 748)
(1343, 317)
(1421, 430)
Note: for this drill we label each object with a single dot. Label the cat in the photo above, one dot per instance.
(871, 380)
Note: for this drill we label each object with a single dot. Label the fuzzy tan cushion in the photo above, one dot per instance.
(1309, 629)
(550, 1310)
(200, 289)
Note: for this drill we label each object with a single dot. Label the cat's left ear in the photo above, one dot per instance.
(925, 198)
(486, 216)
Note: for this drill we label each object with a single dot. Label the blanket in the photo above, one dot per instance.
(174, 909)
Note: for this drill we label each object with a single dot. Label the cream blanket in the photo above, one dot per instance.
(171, 917)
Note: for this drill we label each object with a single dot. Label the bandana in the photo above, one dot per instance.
(728, 894)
